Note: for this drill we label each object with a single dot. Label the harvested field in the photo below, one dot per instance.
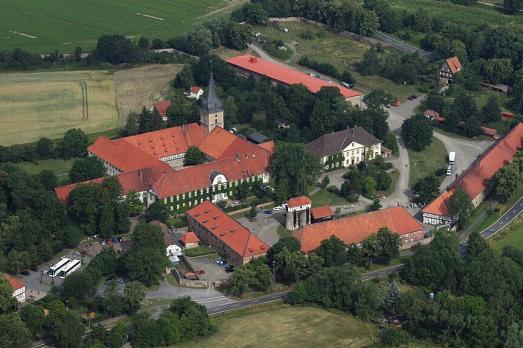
(142, 86)
(33, 105)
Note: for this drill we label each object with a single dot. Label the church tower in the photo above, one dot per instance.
(211, 109)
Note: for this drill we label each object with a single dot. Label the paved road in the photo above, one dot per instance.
(504, 220)
(402, 46)
(467, 150)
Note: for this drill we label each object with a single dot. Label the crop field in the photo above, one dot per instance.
(33, 105)
(45, 25)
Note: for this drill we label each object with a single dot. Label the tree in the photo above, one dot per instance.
(476, 244)
(388, 244)
(193, 156)
(8, 303)
(460, 206)
(33, 318)
(427, 188)
(64, 327)
(78, 53)
(134, 293)
(74, 143)
(157, 211)
(288, 242)
(13, 332)
(514, 336)
(45, 148)
(332, 251)
(131, 126)
(48, 179)
(376, 205)
(80, 285)
(252, 212)
(133, 202)
(115, 49)
(146, 264)
(370, 65)
(417, 132)
(143, 43)
(106, 221)
(391, 298)
(87, 168)
(325, 181)
(368, 188)
(491, 111)
(505, 182)
(149, 120)
(293, 169)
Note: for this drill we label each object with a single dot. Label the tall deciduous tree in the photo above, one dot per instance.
(332, 251)
(461, 207)
(86, 169)
(491, 111)
(193, 156)
(417, 132)
(74, 143)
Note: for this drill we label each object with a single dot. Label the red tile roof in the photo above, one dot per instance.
(298, 201)
(355, 229)
(431, 113)
(489, 131)
(269, 146)
(122, 154)
(220, 143)
(13, 282)
(168, 141)
(225, 228)
(439, 206)
(162, 107)
(321, 212)
(189, 238)
(286, 75)
(195, 89)
(454, 64)
(198, 177)
(474, 180)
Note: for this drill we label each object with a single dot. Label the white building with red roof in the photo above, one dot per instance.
(448, 70)
(217, 229)
(151, 164)
(474, 181)
(161, 107)
(195, 92)
(17, 286)
(251, 65)
(298, 212)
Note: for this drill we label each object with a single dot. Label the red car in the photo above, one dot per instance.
(200, 271)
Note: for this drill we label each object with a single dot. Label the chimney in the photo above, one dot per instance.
(253, 59)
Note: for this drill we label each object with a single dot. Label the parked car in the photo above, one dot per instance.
(199, 271)
(25, 272)
(267, 212)
(277, 208)
(229, 269)
(190, 276)
(114, 240)
(221, 261)
(449, 170)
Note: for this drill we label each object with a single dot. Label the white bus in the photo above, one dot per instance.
(70, 268)
(53, 271)
(452, 157)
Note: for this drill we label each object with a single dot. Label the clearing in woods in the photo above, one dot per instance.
(34, 105)
(65, 24)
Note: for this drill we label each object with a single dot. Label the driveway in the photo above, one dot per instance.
(209, 297)
(467, 150)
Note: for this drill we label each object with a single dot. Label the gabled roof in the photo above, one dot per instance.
(228, 230)
(269, 146)
(321, 212)
(476, 177)
(168, 141)
(298, 201)
(196, 89)
(122, 154)
(14, 283)
(355, 229)
(286, 75)
(333, 143)
(199, 177)
(162, 107)
(189, 238)
(489, 131)
(220, 143)
(454, 64)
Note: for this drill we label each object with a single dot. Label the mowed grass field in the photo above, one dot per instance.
(339, 50)
(280, 325)
(423, 163)
(33, 105)
(45, 25)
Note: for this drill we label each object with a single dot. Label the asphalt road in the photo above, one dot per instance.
(504, 220)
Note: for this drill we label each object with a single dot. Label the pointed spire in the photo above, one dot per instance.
(211, 103)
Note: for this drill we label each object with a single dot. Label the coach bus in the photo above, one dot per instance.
(53, 271)
(70, 268)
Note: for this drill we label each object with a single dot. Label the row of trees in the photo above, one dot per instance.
(505, 182)
(73, 144)
(478, 301)
(366, 179)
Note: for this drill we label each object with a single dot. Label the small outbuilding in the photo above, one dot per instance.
(323, 213)
(190, 240)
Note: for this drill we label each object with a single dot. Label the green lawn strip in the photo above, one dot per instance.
(199, 251)
(395, 175)
(423, 163)
(511, 235)
(58, 166)
(324, 197)
(280, 325)
(283, 232)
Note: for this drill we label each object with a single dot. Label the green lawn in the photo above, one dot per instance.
(279, 325)
(58, 166)
(395, 175)
(44, 25)
(511, 235)
(324, 197)
(199, 251)
(328, 47)
(425, 162)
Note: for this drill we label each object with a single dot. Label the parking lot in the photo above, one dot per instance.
(212, 270)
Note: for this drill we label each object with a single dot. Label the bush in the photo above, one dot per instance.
(353, 197)
(333, 189)
(440, 171)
